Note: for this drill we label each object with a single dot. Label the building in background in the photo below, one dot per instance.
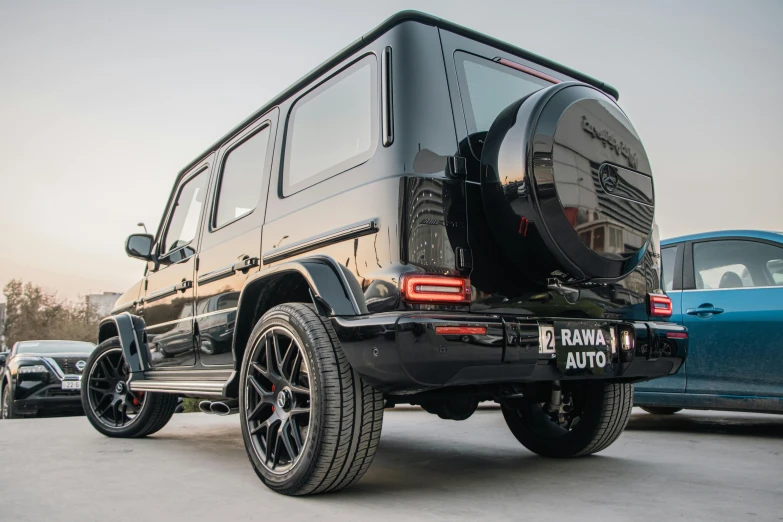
(2, 327)
(103, 303)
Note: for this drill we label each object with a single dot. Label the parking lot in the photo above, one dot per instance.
(689, 466)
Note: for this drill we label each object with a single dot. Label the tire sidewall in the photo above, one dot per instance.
(301, 472)
(568, 444)
(129, 430)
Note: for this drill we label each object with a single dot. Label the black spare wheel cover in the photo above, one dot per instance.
(567, 186)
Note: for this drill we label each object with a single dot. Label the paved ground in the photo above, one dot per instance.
(690, 466)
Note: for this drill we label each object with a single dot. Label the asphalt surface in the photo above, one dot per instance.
(689, 466)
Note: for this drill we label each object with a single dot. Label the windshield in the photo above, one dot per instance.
(488, 87)
(54, 347)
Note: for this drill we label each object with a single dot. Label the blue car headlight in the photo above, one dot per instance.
(37, 368)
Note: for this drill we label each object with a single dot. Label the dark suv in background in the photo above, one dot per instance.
(430, 217)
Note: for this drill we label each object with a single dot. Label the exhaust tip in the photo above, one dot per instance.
(224, 408)
(205, 406)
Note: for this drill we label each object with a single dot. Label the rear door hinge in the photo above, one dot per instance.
(464, 259)
(458, 167)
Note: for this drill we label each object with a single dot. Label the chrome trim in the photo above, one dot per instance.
(214, 275)
(160, 294)
(223, 311)
(334, 236)
(150, 327)
(214, 388)
(216, 312)
(123, 306)
(387, 107)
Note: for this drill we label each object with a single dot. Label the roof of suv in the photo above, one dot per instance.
(389, 23)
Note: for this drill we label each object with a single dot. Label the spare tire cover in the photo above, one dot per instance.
(567, 186)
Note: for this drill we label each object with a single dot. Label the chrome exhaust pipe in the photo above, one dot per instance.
(205, 407)
(228, 407)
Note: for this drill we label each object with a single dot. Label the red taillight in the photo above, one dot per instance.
(659, 305)
(461, 330)
(435, 289)
(676, 335)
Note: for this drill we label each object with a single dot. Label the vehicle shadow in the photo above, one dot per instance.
(710, 422)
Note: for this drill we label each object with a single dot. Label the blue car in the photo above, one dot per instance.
(727, 288)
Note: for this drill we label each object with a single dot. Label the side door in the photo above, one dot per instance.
(169, 296)
(231, 239)
(671, 265)
(733, 308)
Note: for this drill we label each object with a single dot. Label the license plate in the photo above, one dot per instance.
(583, 348)
(72, 385)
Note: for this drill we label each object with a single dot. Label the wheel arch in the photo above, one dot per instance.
(316, 279)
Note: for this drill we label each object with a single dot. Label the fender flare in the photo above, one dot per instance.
(131, 331)
(333, 289)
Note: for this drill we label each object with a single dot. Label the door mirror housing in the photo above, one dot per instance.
(140, 246)
(2, 358)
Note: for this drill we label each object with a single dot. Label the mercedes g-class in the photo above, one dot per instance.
(431, 217)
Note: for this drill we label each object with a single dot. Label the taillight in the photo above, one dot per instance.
(659, 305)
(435, 289)
(461, 330)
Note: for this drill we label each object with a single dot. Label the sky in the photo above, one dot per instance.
(102, 103)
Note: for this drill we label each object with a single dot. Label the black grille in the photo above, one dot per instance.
(68, 364)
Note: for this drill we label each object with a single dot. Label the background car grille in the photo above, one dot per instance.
(68, 364)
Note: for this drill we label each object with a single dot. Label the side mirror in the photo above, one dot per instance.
(2, 359)
(140, 246)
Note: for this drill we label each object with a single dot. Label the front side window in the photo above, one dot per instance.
(488, 87)
(332, 128)
(734, 264)
(668, 256)
(186, 214)
(240, 181)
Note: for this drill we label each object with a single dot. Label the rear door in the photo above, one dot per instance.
(231, 240)
(167, 305)
(732, 305)
(671, 265)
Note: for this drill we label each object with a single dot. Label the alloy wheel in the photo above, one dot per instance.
(277, 399)
(109, 394)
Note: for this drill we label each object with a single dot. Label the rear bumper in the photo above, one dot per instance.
(401, 352)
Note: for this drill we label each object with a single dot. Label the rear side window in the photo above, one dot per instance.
(668, 257)
(240, 180)
(735, 264)
(488, 87)
(332, 128)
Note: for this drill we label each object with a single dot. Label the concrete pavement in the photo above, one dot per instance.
(689, 466)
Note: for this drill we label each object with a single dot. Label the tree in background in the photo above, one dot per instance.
(32, 313)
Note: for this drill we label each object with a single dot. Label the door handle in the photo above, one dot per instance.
(704, 311)
(184, 285)
(245, 264)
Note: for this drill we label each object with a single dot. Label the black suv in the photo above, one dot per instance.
(430, 217)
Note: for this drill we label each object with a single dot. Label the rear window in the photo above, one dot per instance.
(488, 87)
(332, 128)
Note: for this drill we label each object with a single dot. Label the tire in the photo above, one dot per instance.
(104, 395)
(343, 415)
(7, 409)
(601, 412)
(660, 410)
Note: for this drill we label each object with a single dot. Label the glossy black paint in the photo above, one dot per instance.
(343, 243)
(31, 393)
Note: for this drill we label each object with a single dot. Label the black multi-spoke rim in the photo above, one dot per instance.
(277, 399)
(110, 397)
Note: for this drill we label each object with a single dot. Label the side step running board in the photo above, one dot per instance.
(201, 388)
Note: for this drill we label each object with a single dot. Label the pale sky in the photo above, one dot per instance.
(102, 103)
